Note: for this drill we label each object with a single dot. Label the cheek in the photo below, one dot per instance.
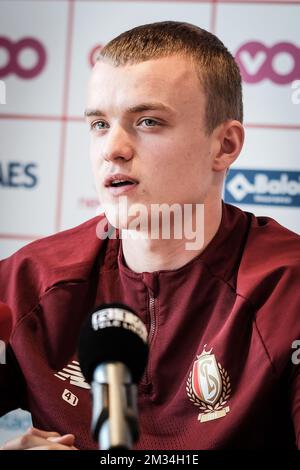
(92, 155)
(93, 165)
(95, 162)
(96, 174)
(95, 149)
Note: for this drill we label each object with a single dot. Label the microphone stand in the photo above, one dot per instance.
(114, 422)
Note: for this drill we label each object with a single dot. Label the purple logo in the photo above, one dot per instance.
(13, 49)
(258, 62)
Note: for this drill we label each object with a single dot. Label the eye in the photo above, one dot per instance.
(148, 122)
(99, 125)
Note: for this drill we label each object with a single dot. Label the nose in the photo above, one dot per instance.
(118, 144)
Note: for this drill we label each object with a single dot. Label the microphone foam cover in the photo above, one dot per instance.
(113, 333)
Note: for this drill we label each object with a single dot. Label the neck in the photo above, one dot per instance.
(149, 255)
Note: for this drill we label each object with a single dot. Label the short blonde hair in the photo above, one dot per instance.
(216, 68)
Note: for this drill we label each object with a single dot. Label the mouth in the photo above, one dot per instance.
(119, 183)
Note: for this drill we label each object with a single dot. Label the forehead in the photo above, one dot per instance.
(171, 80)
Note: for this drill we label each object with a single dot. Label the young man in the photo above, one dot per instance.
(165, 114)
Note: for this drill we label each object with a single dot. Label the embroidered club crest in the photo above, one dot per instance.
(208, 387)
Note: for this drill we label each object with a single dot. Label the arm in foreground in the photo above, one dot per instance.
(36, 439)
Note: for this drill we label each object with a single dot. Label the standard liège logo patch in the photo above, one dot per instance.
(208, 387)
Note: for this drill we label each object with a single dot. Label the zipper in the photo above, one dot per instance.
(147, 375)
(152, 318)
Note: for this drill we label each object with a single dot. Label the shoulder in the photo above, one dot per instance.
(268, 278)
(271, 253)
(64, 256)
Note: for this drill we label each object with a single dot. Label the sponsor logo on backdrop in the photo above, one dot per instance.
(15, 174)
(2, 92)
(14, 65)
(279, 63)
(266, 187)
(296, 92)
(89, 203)
(94, 54)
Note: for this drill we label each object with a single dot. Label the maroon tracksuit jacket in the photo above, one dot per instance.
(222, 371)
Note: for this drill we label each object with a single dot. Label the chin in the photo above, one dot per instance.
(116, 218)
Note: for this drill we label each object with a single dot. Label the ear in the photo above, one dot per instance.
(230, 136)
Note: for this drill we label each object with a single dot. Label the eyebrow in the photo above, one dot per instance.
(133, 109)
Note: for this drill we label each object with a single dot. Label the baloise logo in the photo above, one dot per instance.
(279, 63)
(279, 188)
(14, 64)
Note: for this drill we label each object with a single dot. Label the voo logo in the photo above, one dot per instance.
(266, 187)
(279, 63)
(16, 54)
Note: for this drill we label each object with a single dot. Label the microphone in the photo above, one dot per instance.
(112, 353)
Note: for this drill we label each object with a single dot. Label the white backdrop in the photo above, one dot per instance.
(46, 52)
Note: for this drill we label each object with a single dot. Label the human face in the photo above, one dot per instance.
(147, 126)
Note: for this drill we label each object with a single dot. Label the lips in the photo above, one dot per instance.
(119, 180)
(120, 183)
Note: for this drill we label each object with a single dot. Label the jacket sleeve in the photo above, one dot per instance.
(24, 278)
(12, 384)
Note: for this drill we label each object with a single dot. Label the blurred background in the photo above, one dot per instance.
(47, 48)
